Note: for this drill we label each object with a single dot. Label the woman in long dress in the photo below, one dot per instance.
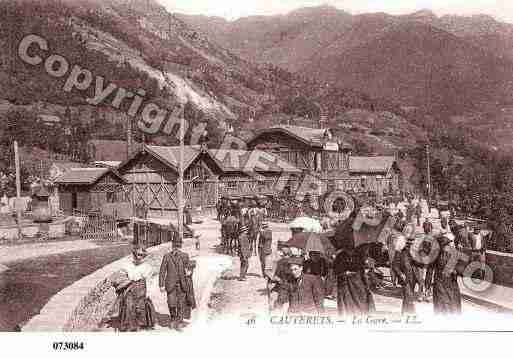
(353, 292)
(136, 311)
(446, 291)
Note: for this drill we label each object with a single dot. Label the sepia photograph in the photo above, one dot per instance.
(212, 172)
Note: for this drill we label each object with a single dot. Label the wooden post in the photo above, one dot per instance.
(148, 196)
(18, 189)
(161, 174)
(428, 178)
(180, 180)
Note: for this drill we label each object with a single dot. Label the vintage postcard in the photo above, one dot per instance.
(197, 170)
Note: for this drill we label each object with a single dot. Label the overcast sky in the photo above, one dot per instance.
(233, 9)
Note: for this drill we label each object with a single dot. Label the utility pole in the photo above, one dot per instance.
(180, 179)
(18, 189)
(428, 177)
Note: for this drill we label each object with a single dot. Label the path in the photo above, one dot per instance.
(237, 302)
(209, 266)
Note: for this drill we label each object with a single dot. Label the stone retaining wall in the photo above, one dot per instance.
(82, 306)
(502, 267)
(55, 229)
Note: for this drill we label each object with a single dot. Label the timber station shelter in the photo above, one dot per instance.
(87, 189)
(151, 176)
(319, 153)
(276, 161)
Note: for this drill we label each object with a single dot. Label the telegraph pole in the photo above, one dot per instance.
(428, 177)
(180, 179)
(18, 189)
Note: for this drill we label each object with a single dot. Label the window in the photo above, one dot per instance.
(110, 197)
(232, 184)
(74, 201)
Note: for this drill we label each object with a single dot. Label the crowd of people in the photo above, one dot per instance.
(305, 279)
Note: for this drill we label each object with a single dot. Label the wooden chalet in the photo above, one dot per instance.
(151, 176)
(377, 174)
(254, 172)
(319, 153)
(87, 189)
(309, 149)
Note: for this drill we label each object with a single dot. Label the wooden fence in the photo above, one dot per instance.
(100, 227)
(149, 234)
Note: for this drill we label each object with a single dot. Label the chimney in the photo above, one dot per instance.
(203, 140)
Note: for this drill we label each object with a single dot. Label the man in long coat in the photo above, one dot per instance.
(403, 268)
(265, 240)
(303, 292)
(173, 281)
(244, 251)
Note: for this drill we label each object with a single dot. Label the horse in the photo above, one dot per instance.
(230, 234)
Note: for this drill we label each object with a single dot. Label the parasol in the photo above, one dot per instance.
(307, 223)
(312, 242)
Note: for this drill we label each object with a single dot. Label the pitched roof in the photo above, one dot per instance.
(307, 135)
(57, 169)
(231, 160)
(84, 176)
(67, 165)
(375, 164)
(171, 154)
(312, 135)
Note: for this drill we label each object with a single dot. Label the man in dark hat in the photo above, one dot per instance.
(173, 281)
(277, 274)
(282, 271)
(244, 251)
(446, 291)
(265, 240)
(255, 218)
(403, 268)
(303, 292)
